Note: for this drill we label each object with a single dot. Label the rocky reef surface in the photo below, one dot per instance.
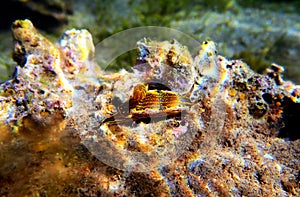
(175, 124)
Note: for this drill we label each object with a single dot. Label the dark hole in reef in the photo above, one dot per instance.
(268, 98)
(258, 110)
(291, 118)
(157, 86)
(241, 86)
(145, 120)
(19, 57)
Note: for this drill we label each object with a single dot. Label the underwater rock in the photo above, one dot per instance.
(172, 125)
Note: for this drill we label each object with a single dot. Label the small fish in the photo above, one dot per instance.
(206, 60)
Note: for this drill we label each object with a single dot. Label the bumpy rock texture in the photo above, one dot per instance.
(203, 125)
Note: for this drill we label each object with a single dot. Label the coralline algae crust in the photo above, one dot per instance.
(173, 125)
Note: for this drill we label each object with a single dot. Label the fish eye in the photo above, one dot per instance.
(180, 67)
(176, 124)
